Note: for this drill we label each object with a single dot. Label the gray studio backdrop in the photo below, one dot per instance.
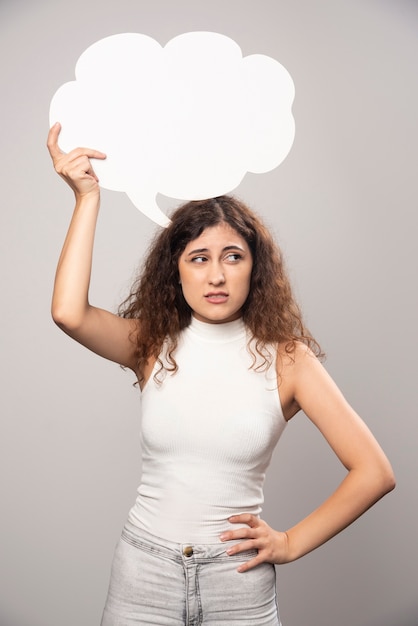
(342, 206)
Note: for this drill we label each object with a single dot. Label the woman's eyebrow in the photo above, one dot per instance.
(235, 247)
(201, 250)
(198, 250)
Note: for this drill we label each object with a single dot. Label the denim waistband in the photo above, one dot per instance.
(181, 552)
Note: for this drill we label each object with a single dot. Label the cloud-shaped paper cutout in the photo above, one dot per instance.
(187, 120)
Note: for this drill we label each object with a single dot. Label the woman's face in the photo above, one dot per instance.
(215, 273)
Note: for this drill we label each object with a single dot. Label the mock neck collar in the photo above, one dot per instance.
(226, 331)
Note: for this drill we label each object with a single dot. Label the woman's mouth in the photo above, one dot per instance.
(216, 297)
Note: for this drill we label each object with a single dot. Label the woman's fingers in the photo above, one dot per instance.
(250, 534)
(257, 560)
(271, 545)
(245, 518)
(75, 167)
(56, 153)
(78, 168)
(52, 141)
(251, 522)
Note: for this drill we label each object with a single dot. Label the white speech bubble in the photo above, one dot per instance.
(188, 120)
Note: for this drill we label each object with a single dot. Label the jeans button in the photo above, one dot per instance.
(188, 551)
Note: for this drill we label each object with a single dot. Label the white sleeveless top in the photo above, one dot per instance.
(208, 433)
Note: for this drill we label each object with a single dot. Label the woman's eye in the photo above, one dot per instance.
(199, 259)
(234, 256)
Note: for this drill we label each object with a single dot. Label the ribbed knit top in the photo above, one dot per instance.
(208, 433)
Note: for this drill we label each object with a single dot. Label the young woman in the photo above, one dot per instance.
(223, 360)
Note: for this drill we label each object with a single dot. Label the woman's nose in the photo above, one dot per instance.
(216, 275)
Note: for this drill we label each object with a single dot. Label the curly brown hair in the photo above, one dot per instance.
(270, 312)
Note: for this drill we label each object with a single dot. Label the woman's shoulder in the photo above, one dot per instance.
(292, 355)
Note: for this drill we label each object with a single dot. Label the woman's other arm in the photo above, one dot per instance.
(369, 473)
(306, 385)
(101, 331)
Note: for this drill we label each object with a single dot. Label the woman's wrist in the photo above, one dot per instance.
(87, 197)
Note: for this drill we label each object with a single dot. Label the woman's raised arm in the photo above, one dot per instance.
(101, 331)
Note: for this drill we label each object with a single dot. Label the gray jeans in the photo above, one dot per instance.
(154, 581)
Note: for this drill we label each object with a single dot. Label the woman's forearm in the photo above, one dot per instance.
(359, 490)
(72, 280)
